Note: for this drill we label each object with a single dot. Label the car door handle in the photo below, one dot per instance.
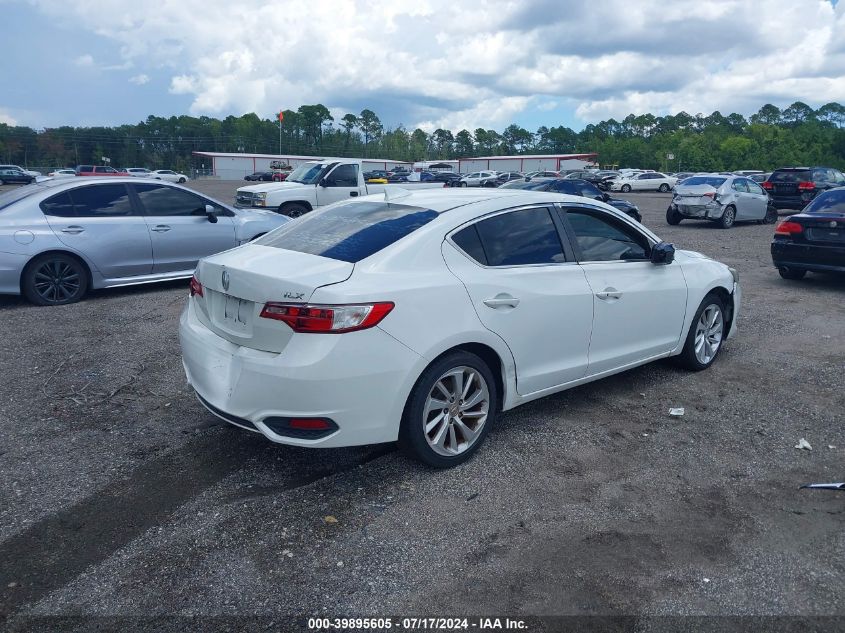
(73, 230)
(353, 193)
(501, 300)
(160, 228)
(609, 293)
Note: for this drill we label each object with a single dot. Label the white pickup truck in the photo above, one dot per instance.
(314, 184)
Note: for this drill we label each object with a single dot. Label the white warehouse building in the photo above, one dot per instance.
(524, 163)
(234, 166)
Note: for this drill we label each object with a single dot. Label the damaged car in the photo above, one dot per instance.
(722, 199)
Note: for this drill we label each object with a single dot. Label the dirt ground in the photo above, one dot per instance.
(123, 498)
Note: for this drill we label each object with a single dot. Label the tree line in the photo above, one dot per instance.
(770, 138)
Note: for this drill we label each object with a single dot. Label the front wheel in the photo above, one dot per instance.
(728, 217)
(55, 279)
(705, 336)
(450, 411)
(792, 273)
(181, 180)
(463, 184)
(673, 216)
(626, 188)
(771, 215)
(293, 210)
(663, 188)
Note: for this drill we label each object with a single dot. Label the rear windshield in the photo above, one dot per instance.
(704, 180)
(791, 175)
(827, 202)
(350, 231)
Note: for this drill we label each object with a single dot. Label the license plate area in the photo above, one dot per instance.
(233, 314)
(826, 235)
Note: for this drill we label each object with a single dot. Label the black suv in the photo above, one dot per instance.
(795, 187)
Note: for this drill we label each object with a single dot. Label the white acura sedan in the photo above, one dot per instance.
(422, 317)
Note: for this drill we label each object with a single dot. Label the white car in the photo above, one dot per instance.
(143, 172)
(62, 173)
(479, 179)
(646, 181)
(422, 317)
(167, 174)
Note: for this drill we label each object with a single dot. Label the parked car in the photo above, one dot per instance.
(99, 170)
(480, 179)
(721, 199)
(138, 172)
(263, 176)
(15, 177)
(814, 239)
(593, 177)
(169, 175)
(28, 172)
(62, 173)
(449, 177)
(577, 188)
(795, 187)
(531, 175)
(420, 319)
(376, 174)
(508, 176)
(760, 178)
(86, 233)
(646, 181)
(681, 175)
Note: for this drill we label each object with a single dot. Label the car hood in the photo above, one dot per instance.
(273, 186)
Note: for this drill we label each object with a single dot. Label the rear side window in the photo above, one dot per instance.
(791, 175)
(101, 201)
(528, 236)
(59, 205)
(349, 232)
(470, 243)
(827, 202)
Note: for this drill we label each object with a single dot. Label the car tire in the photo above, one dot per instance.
(293, 210)
(181, 180)
(440, 437)
(704, 331)
(664, 188)
(728, 217)
(626, 188)
(673, 216)
(463, 184)
(791, 273)
(771, 215)
(54, 279)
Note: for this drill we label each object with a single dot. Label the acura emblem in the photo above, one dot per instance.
(833, 224)
(225, 279)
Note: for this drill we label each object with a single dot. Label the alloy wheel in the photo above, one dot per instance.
(708, 334)
(57, 281)
(456, 410)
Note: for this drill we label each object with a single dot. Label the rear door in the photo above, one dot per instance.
(525, 289)
(341, 183)
(179, 228)
(639, 307)
(101, 222)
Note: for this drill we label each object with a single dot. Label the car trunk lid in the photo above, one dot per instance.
(238, 283)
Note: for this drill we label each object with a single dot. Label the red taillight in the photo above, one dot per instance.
(327, 319)
(805, 186)
(767, 185)
(788, 228)
(310, 424)
(196, 286)
(709, 194)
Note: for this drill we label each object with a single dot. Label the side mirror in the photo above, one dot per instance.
(324, 182)
(662, 253)
(211, 214)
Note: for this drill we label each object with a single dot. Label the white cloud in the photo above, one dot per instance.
(482, 64)
(7, 118)
(140, 80)
(84, 61)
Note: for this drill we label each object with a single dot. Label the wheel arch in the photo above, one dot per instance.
(304, 203)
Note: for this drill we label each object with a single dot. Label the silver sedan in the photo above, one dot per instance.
(59, 238)
(720, 198)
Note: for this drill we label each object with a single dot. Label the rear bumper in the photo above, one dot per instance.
(821, 258)
(712, 211)
(359, 380)
(798, 201)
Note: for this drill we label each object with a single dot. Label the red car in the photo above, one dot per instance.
(99, 170)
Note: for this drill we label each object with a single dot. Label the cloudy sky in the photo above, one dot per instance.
(428, 63)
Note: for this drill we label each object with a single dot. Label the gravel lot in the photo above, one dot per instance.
(123, 497)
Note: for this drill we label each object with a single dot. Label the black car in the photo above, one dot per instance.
(590, 176)
(448, 177)
(813, 239)
(375, 173)
(507, 176)
(14, 176)
(577, 188)
(794, 187)
(266, 176)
